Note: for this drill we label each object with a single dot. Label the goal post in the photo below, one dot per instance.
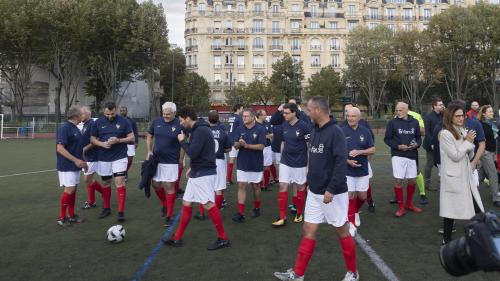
(16, 131)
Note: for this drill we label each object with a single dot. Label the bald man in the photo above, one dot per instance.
(360, 145)
(403, 136)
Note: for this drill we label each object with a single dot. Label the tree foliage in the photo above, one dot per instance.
(286, 78)
(326, 83)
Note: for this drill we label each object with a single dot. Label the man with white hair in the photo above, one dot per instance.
(167, 148)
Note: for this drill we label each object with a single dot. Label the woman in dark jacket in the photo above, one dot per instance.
(488, 167)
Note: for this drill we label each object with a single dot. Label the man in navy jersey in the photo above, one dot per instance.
(276, 148)
(267, 152)
(164, 131)
(90, 156)
(234, 122)
(359, 145)
(250, 139)
(201, 175)
(69, 164)
(111, 133)
(327, 198)
(293, 166)
(130, 147)
(403, 136)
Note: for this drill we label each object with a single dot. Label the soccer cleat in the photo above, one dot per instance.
(75, 219)
(288, 275)
(88, 205)
(423, 200)
(120, 217)
(223, 205)
(351, 276)
(357, 220)
(393, 201)
(172, 242)
(400, 212)
(256, 213)
(219, 244)
(292, 208)
(412, 208)
(238, 217)
(163, 211)
(371, 207)
(298, 218)
(63, 222)
(104, 213)
(352, 229)
(168, 221)
(279, 222)
(200, 217)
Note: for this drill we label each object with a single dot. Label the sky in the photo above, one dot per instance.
(174, 11)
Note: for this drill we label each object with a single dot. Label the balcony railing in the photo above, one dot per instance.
(276, 47)
(390, 18)
(257, 47)
(277, 30)
(191, 48)
(316, 48)
(295, 30)
(258, 30)
(424, 18)
(240, 30)
(217, 66)
(408, 18)
(275, 14)
(228, 65)
(372, 17)
(295, 48)
(258, 65)
(335, 47)
(258, 13)
(296, 14)
(228, 30)
(216, 47)
(240, 66)
(191, 30)
(315, 64)
(241, 48)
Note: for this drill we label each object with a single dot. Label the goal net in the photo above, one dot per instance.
(24, 130)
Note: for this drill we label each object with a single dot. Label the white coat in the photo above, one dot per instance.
(457, 182)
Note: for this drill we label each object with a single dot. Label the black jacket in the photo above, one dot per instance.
(431, 120)
(401, 131)
(148, 170)
(201, 150)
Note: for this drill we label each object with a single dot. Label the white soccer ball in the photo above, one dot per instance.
(116, 234)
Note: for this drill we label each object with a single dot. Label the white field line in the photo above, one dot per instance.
(376, 259)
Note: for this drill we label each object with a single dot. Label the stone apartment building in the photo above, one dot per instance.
(236, 41)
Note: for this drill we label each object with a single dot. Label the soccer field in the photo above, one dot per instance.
(34, 247)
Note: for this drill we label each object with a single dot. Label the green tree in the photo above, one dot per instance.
(286, 78)
(326, 83)
(237, 96)
(172, 69)
(258, 92)
(194, 91)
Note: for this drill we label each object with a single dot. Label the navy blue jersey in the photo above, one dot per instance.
(364, 123)
(222, 141)
(250, 160)
(133, 125)
(166, 146)
(91, 154)
(104, 129)
(357, 139)
(267, 126)
(403, 131)
(201, 150)
(277, 138)
(234, 122)
(72, 139)
(295, 139)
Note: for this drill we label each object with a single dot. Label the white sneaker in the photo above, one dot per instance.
(288, 275)
(353, 229)
(357, 220)
(351, 276)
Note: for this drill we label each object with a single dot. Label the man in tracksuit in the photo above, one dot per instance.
(327, 199)
(403, 136)
(201, 175)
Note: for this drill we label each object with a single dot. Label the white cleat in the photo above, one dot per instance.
(357, 220)
(353, 229)
(288, 275)
(351, 276)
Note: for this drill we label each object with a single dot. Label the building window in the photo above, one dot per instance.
(217, 25)
(217, 61)
(314, 11)
(241, 9)
(335, 44)
(333, 25)
(392, 27)
(295, 8)
(351, 10)
(314, 25)
(335, 60)
(217, 77)
(276, 27)
(217, 8)
(258, 43)
(275, 59)
(407, 14)
(241, 43)
(217, 44)
(296, 59)
(229, 59)
(276, 9)
(295, 44)
(201, 7)
(427, 14)
(258, 62)
(372, 25)
(407, 26)
(229, 8)
(390, 13)
(257, 7)
(276, 44)
(195, 60)
(258, 26)
(295, 24)
(352, 25)
(315, 44)
(373, 13)
(241, 62)
(241, 77)
(315, 61)
(229, 41)
(229, 24)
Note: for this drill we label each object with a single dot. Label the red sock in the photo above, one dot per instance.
(97, 186)
(241, 208)
(351, 210)
(129, 163)
(294, 200)
(410, 190)
(185, 217)
(170, 204)
(71, 205)
(369, 194)
(267, 174)
(106, 197)
(90, 193)
(64, 205)
(306, 250)
(160, 192)
(216, 218)
(399, 196)
(121, 192)
(282, 203)
(359, 204)
(498, 162)
(300, 202)
(218, 201)
(230, 172)
(256, 204)
(273, 172)
(202, 210)
(349, 251)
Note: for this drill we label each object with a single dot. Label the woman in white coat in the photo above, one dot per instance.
(459, 197)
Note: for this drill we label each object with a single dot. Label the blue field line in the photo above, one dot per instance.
(140, 273)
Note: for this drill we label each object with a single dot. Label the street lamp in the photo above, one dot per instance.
(174, 46)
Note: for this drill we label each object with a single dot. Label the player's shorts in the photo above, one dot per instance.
(289, 174)
(359, 184)
(106, 169)
(276, 158)
(233, 153)
(92, 168)
(130, 150)
(248, 177)
(404, 168)
(200, 190)
(370, 171)
(166, 173)
(68, 178)
(334, 213)
(220, 181)
(268, 156)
